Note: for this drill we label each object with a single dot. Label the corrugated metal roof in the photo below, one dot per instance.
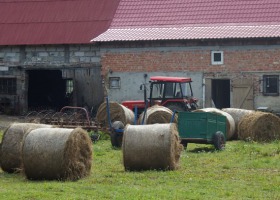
(54, 21)
(193, 19)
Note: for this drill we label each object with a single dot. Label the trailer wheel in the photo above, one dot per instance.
(184, 143)
(116, 138)
(219, 140)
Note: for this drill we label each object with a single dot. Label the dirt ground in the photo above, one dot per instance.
(6, 120)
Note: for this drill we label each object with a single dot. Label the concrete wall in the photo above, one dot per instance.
(80, 62)
(131, 81)
(131, 60)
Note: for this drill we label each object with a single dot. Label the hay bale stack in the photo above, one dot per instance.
(237, 115)
(57, 153)
(147, 147)
(118, 112)
(259, 127)
(157, 115)
(230, 121)
(11, 145)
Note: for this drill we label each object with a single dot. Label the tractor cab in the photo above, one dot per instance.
(172, 92)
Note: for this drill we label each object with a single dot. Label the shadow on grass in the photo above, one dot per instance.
(202, 149)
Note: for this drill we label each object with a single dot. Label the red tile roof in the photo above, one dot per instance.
(54, 21)
(193, 19)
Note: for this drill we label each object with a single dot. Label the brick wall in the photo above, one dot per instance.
(244, 59)
(235, 60)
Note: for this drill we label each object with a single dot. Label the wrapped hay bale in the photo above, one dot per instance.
(260, 127)
(157, 115)
(230, 121)
(118, 112)
(237, 115)
(57, 153)
(11, 146)
(147, 147)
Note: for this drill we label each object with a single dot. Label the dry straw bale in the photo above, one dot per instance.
(118, 112)
(230, 121)
(154, 146)
(237, 115)
(57, 153)
(157, 115)
(260, 127)
(11, 151)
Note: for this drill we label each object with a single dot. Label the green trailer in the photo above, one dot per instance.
(203, 128)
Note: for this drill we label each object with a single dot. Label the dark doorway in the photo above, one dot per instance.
(221, 93)
(46, 90)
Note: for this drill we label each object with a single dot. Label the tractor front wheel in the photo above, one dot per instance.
(219, 140)
(116, 138)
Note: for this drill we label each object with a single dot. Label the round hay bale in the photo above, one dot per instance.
(0, 154)
(230, 121)
(147, 147)
(237, 115)
(11, 146)
(259, 127)
(157, 115)
(57, 153)
(118, 112)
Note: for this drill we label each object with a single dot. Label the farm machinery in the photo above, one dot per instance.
(193, 127)
(174, 93)
(67, 117)
(203, 128)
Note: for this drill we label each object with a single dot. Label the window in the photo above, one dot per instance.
(115, 82)
(271, 85)
(8, 86)
(217, 57)
(69, 86)
(157, 90)
(172, 90)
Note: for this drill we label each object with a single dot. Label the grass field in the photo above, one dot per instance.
(242, 171)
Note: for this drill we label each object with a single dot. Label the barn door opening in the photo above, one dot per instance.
(221, 93)
(46, 90)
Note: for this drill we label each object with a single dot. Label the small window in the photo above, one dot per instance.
(271, 85)
(115, 82)
(8, 86)
(69, 86)
(217, 57)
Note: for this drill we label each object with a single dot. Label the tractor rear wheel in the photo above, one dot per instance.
(116, 138)
(219, 140)
(176, 107)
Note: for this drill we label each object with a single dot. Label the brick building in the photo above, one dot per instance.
(231, 49)
(46, 58)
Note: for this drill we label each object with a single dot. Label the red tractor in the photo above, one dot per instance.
(174, 93)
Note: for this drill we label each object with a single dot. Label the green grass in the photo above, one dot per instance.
(242, 171)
